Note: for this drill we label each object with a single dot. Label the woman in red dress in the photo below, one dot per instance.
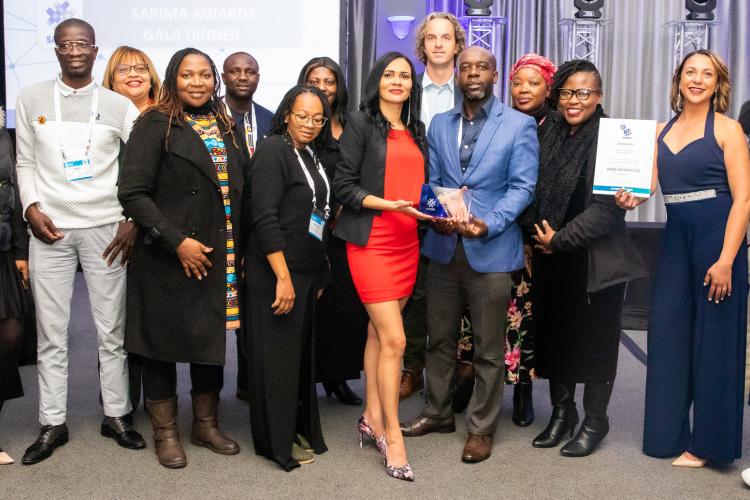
(378, 180)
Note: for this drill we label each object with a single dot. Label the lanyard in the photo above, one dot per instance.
(250, 125)
(58, 118)
(311, 183)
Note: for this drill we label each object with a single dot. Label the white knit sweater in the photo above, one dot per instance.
(41, 178)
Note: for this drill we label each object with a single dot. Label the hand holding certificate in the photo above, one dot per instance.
(625, 156)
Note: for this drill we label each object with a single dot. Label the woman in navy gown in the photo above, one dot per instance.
(697, 328)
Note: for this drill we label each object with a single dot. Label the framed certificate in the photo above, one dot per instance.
(625, 156)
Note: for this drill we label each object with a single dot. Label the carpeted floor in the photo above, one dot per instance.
(90, 466)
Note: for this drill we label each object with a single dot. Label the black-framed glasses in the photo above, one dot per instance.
(581, 94)
(315, 121)
(124, 69)
(67, 47)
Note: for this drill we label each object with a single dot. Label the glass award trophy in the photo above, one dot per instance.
(444, 202)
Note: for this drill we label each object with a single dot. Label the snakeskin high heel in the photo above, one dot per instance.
(403, 472)
(364, 428)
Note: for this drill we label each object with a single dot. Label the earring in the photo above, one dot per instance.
(408, 111)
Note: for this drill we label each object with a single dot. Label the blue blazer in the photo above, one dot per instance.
(501, 176)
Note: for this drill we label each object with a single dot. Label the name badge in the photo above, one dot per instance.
(78, 169)
(317, 225)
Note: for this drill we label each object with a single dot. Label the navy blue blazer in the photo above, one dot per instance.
(501, 177)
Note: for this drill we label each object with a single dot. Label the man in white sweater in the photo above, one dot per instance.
(69, 132)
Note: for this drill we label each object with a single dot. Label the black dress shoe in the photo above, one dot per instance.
(50, 437)
(587, 439)
(425, 425)
(343, 393)
(119, 430)
(523, 404)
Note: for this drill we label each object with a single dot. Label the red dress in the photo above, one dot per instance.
(386, 268)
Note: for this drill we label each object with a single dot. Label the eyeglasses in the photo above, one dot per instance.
(67, 47)
(315, 121)
(581, 94)
(124, 69)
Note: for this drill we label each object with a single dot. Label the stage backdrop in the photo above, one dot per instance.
(281, 35)
(636, 52)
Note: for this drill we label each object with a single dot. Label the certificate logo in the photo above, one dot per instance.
(626, 132)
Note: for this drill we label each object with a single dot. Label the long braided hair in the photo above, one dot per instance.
(169, 103)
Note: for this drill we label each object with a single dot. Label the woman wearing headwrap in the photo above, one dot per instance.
(531, 79)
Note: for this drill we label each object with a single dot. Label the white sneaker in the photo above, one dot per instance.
(746, 476)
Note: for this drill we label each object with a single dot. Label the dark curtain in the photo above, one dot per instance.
(358, 45)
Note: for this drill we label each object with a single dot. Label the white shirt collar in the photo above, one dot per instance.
(66, 90)
(426, 82)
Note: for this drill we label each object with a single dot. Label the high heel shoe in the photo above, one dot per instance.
(403, 472)
(364, 429)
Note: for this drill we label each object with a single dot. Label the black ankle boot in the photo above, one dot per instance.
(564, 416)
(587, 439)
(596, 424)
(523, 404)
(343, 393)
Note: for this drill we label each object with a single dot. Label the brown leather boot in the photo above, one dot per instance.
(205, 425)
(163, 415)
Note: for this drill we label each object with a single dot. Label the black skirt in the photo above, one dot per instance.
(11, 288)
(11, 306)
(281, 378)
(578, 333)
(340, 323)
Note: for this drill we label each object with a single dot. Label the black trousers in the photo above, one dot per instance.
(160, 378)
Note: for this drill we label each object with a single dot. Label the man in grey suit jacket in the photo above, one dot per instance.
(493, 151)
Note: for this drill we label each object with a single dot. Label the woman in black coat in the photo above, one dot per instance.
(341, 319)
(181, 182)
(288, 199)
(582, 263)
(14, 275)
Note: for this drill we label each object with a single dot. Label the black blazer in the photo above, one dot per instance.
(172, 192)
(361, 172)
(613, 258)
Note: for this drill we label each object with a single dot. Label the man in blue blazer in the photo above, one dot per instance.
(493, 151)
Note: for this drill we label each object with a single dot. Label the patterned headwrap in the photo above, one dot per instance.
(544, 66)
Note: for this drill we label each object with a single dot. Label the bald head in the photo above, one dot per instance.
(477, 73)
(74, 23)
(232, 59)
(478, 53)
(240, 77)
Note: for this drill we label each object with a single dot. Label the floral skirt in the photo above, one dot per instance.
(519, 333)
